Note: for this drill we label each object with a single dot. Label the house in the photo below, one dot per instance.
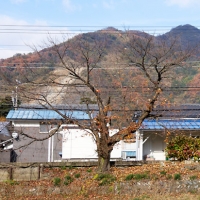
(6, 153)
(183, 119)
(72, 143)
(68, 143)
(32, 129)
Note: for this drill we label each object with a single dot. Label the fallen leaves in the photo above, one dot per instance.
(87, 185)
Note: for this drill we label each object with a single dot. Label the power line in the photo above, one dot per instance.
(113, 90)
(59, 33)
(89, 26)
(15, 50)
(68, 107)
(18, 25)
(158, 32)
(10, 45)
(80, 26)
(30, 29)
(118, 87)
(98, 67)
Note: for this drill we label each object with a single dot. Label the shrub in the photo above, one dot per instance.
(68, 180)
(154, 176)
(104, 179)
(163, 173)
(193, 177)
(141, 198)
(77, 175)
(70, 167)
(89, 170)
(63, 167)
(169, 176)
(57, 181)
(129, 177)
(140, 176)
(193, 191)
(137, 176)
(12, 182)
(177, 177)
(183, 147)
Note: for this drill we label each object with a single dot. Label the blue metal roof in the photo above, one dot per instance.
(44, 114)
(161, 124)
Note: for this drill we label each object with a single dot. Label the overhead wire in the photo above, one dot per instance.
(74, 30)
(28, 29)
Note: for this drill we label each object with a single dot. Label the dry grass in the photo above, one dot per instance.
(85, 186)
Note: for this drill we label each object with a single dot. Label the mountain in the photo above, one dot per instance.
(187, 34)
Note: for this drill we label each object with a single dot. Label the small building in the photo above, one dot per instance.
(32, 129)
(6, 153)
(183, 119)
(33, 141)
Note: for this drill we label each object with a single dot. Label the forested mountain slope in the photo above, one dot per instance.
(185, 83)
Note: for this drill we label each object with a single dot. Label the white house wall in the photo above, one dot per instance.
(147, 149)
(79, 144)
(128, 146)
(154, 147)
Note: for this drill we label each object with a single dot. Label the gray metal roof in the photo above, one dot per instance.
(174, 124)
(178, 111)
(173, 112)
(44, 114)
(80, 107)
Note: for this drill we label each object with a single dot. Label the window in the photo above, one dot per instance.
(128, 154)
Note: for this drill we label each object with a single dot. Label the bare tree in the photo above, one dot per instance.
(133, 78)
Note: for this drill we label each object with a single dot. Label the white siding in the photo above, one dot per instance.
(154, 147)
(79, 144)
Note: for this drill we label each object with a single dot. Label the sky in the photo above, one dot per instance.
(28, 23)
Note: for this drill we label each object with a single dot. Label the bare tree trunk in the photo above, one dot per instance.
(104, 163)
(104, 151)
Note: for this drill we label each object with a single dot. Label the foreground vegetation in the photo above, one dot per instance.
(148, 181)
(183, 147)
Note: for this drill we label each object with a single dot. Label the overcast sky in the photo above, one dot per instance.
(28, 22)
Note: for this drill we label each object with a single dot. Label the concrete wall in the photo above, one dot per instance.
(20, 174)
(30, 173)
(34, 171)
(4, 174)
(37, 151)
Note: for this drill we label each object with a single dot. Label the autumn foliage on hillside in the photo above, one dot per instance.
(20, 64)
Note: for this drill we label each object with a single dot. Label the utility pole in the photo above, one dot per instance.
(15, 95)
